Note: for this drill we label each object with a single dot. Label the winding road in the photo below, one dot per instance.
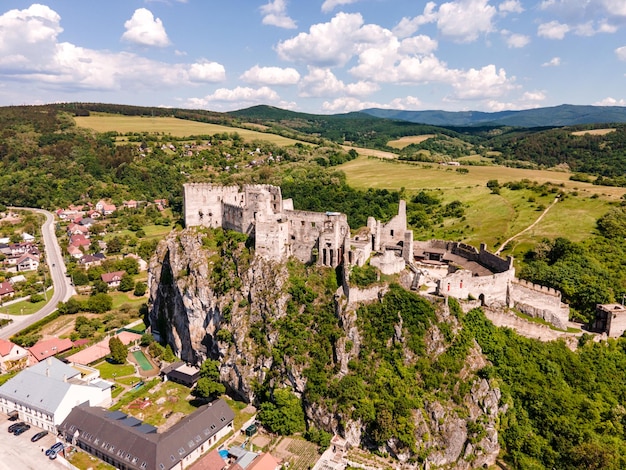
(63, 288)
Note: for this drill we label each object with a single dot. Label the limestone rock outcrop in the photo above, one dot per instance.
(221, 302)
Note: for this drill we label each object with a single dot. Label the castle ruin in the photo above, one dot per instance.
(324, 238)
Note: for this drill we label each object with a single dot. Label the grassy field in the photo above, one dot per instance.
(491, 218)
(102, 122)
(108, 370)
(408, 140)
(26, 307)
(595, 131)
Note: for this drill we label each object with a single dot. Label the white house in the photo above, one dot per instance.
(45, 394)
(12, 356)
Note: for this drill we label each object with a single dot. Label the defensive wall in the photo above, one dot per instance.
(324, 238)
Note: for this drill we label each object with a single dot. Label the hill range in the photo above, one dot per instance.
(563, 115)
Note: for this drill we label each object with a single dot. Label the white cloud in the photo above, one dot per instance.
(510, 6)
(514, 40)
(329, 5)
(271, 76)
(326, 44)
(30, 52)
(460, 20)
(206, 71)
(144, 29)
(464, 20)
(534, 96)
(226, 99)
(483, 83)
(608, 101)
(615, 7)
(322, 82)
(418, 45)
(553, 30)
(275, 14)
(621, 53)
(346, 104)
(408, 26)
(554, 62)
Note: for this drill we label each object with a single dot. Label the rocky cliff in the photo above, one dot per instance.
(274, 325)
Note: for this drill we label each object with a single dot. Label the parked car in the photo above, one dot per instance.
(14, 426)
(55, 448)
(21, 430)
(38, 436)
(52, 455)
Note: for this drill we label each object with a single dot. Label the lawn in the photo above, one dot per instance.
(492, 218)
(108, 370)
(165, 398)
(102, 122)
(26, 307)
(84, 461)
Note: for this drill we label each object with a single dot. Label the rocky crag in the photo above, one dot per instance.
(267, 323)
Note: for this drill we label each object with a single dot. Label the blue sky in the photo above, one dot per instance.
(318, 56)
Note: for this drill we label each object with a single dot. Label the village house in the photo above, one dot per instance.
(80, 241)
(27, 262)
(6, 290)
(113, 279)
(12, 356)
(105, 208)
(77, 229)
(75, 251)
(132, 204)
(46, 348)
(92, 260)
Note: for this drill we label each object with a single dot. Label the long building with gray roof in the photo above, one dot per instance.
(127, 443)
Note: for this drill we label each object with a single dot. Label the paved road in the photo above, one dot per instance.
(63, 288)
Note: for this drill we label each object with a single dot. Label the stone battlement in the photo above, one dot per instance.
(537, 287)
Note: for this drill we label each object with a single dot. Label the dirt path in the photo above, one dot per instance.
(556, 199)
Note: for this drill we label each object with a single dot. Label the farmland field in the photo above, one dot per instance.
(491, 218)
(101, 122)
(408, 140)
(595, 131)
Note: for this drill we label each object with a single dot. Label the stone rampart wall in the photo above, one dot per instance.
(493, 261)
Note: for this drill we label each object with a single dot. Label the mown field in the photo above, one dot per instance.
(491, 218)
(408, 140)
(101, 122)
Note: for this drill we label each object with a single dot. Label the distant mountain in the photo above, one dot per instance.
(563, 115)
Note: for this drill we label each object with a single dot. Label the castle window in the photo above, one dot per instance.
(313, 224)
(392, 233)
(302, 223)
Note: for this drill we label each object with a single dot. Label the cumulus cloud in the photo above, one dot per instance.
(514, 40)
(621, 53)
(30, 51)
(226, 99)
(275, 14)
(348, 104)
(144, 29)
(271, 76)
(321, 82)
(461, 20)
(510, 6)
(608, 101)
(206, 71)
(465, 20)
(554, 62)
(483, 83)
(329, 5)
(418, 45)
(326, 44)
(553, 30)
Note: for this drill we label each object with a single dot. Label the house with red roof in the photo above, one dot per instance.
(105, 208)
(47, 348)
(113, 279)
(75, 252)
(80, 241)
(77, 229)
(12, 356)
(6, 290)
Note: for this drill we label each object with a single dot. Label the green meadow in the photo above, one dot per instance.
(492, 218)
(102, 122)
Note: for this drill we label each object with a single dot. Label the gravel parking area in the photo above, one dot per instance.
(19, 452)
